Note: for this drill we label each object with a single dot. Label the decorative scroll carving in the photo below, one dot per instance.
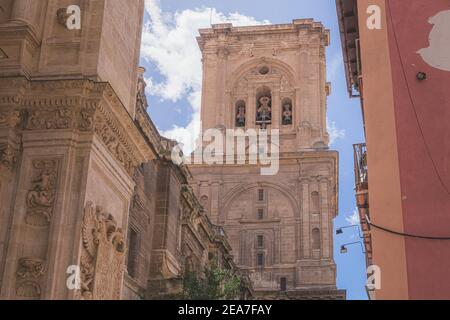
(28, 275)
(41, 196)
(102, 256)
(50, 119)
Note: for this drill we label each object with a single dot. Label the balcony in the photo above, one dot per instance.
(362, 196)
(361, 172)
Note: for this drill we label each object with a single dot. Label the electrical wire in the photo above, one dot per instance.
(408, 235)
(441, 180)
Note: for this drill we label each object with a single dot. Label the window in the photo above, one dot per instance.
(287, 115)
(283, 284)
(260, 214)
(260, 259)
(315, 202)
(264, 107)
(316, 239)
(132, 253)
(260, 241)
(261, 195)
(264, 70)
(240, 114)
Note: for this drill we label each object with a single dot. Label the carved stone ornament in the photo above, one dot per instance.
(50, 119)
(9, 119)
(62, 16)
(41, 196)
(8, 156)
(102, 255)
(28, 275)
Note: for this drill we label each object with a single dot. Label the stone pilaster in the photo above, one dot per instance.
(306, 239)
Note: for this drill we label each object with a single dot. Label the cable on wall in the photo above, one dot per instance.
(408, 235)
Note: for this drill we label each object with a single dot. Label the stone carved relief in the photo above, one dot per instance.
(46, 119)
(28, 275)
(285, 85)
(10, 119)
(8, 156)
(113, 143)
(102, 255)
(41, 196)
(86, 119)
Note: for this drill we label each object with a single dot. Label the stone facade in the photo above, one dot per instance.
(85, 181)
(280, 227)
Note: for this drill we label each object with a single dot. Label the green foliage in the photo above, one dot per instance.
(216, 284)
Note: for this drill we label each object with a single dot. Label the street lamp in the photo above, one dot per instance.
(341, 230)
(345, 250)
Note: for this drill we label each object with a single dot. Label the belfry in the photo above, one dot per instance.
(280, 227)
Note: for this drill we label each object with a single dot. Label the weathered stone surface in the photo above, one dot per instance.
(291, 224)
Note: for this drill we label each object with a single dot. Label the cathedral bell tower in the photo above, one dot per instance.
(280, 226)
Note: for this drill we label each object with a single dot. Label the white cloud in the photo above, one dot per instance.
(354, 218)
(168, 41)
(333, 66)
(334, 132)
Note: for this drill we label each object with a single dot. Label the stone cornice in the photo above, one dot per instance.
(227, 30)
(83, 105)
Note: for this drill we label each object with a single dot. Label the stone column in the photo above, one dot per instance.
(222, 56)
(325, 221)
(228, 112)
(251, 108)
(276, 107)
(215, 201)
(304, 195)
(297, 107)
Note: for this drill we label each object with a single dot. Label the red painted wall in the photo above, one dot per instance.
(423, 129)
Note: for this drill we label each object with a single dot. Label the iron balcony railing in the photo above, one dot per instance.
(361, 171)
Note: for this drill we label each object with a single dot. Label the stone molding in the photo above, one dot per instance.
(82, 105)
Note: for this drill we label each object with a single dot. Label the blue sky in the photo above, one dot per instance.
(172, 59)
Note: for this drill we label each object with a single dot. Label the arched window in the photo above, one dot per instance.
(240, 114)
(263, 106)
(315, 202)
(287, 116)
(315, 239)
